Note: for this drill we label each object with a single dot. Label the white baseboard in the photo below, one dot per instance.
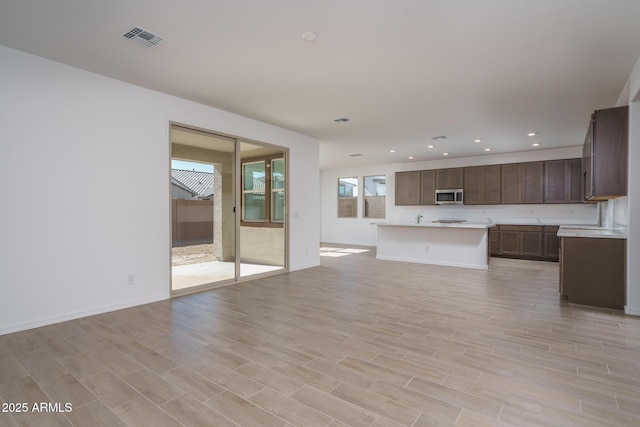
(422, 261)
(45, 321)
(302, 267)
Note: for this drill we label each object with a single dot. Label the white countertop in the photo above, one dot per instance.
(423, 224)
(593, 232)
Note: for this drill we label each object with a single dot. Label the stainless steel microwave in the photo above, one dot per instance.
(449, 197)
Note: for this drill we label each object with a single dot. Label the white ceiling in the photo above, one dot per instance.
(403, 71)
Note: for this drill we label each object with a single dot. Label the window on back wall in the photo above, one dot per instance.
(263, 192)
(348, 197)
(374, 196)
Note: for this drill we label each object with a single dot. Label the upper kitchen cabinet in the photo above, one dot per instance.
(605, 154)
(482, 185)
(407, 188)
(451, 178)
(522, 182)
(563, 181)
(428, 187)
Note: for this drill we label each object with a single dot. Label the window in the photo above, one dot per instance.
(263, 196)
(374, 196)
(277, 190)
(348, 197)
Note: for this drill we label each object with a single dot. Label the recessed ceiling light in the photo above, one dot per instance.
(342, 120)
(487, 149)
(445, 154)
(435, 138)
(309, 36)
(431, 146)
(392, 151)
(410, 157)
(477, 140)
(532, 133)
(536, 144)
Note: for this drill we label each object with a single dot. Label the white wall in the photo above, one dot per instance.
(633, 227)
(72, 141)
(361, 231)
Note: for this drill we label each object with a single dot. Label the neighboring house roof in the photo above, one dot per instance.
(199, 184)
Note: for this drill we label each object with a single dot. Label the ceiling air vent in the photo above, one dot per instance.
(143, 37)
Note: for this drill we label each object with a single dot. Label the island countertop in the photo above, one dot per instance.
(437, 224)
(593, 232)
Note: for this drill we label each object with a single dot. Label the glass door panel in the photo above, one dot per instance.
(203, 252)
(263, 229)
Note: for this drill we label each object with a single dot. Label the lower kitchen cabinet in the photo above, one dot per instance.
(494, 241)
(550, 243)
(592, 271)
(521, 241)
(535, 242)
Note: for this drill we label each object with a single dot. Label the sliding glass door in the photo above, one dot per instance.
(228, 209)
(263, 209)
(203, 208)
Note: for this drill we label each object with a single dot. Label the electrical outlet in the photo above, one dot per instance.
(570, 212)
(131, 279)
(426, 248)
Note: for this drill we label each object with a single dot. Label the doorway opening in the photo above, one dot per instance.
(228, 215)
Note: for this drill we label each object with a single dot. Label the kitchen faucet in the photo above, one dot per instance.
(418, 218)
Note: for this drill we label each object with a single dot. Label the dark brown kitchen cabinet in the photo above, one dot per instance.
(535, 242)
(428, 187)
(451, 178)
(521, 241)
(605, 154)
(550, 243)
(592, 271)
(522, 182)
(407, 188)
(494, 240)
(482, 185)
(563, 181)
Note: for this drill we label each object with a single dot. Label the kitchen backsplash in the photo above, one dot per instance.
(613, 213)
(560, 214)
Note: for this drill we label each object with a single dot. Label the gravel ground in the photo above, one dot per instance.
(184, 255)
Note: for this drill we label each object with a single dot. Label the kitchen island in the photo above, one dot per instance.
(458, 244)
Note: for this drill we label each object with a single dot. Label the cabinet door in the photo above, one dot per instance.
(473, 185)
(494, 240)
(523, 182)
(451, 178)
(550, 243)
(574, 188)
(509, 241)
(482, 185)
(407, 188)
(491, 181)
(428, 187)
(587, 164)
(563, 181)
(593, 271)
(531, 243)
(532, 182)
(610, 152)
(554, 181)
(510, 183)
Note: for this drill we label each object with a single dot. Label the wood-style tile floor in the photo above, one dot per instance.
(356, 341)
